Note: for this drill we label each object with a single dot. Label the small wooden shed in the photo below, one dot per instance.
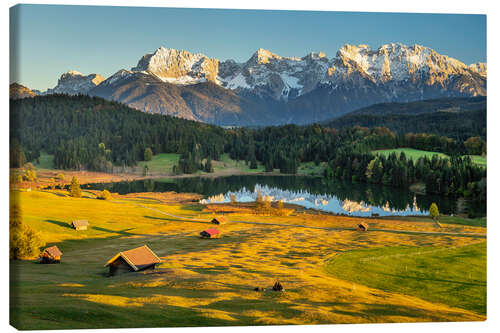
(134, 260)
(80, 224)
(363, 226)
(51, 255)
(210, 233)
(219, 220)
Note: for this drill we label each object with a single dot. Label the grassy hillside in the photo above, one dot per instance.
(421, 272)
(46, 161)
(210, 282)
(161, 163)
(415, 154)
(457, 118)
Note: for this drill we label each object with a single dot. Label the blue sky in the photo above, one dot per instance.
(53, 39)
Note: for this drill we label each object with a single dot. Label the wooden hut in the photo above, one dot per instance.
(134, 260)
(210, 233)
(51, 255)
(219, 220)
(80, 224)
(363, 226)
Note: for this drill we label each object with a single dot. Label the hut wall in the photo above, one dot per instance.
(119, 266)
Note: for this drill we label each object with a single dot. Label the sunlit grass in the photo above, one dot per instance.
(415, 154)
(449, 275)
(208, 282)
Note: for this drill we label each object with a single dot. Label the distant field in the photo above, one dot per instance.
(46, 161)
(454, 276)
(415, 154)
(311, 169)
(161, 163)
(227, 163)
(445, 219)
(478, 159)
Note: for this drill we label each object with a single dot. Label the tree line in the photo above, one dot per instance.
(91, 133)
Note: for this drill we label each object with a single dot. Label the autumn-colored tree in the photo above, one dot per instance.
(74, 189)
(52, 183)
(24, 242)
(433, 211)
(148, 154)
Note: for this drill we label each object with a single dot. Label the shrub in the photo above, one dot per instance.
(433, 211)
(105, 195)
(24, 242)
(148, 154)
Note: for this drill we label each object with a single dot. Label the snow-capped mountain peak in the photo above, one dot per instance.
(73, 82)
(308, 88)
(178, 66)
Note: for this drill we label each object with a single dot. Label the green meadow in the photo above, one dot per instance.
(415, 154)
(451, 275)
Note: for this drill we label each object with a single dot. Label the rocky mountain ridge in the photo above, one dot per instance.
(286, 89)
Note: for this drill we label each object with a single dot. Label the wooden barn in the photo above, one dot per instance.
(134, 260)
(51, 255)
(80, 224)
(219, 220)
(210, 233)
(363, 226)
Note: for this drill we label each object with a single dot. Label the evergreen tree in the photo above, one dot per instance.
(208, 165)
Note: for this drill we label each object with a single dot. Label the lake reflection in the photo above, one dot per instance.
(312, 192)
(324, 201)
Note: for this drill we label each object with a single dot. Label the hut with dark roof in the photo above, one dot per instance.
(210, 233)
(80, 224)
(219, 220)
(363, 226)
(134, 260)
(51, 255)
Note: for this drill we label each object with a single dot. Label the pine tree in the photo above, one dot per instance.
(208, 165)
(253, 163)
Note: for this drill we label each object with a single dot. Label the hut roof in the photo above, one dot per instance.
(363, 225)
(80, 223)
(220, 219)
(53, 251)
(212, 232)
(137, 258)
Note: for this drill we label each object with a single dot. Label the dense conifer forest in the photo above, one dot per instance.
(94, 134)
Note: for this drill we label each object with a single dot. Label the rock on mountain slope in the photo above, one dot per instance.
(270, 89)
(205, 101)
(17, 91)
(73, 82)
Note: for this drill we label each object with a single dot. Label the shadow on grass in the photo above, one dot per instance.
(60, 223)
(171, 219)
(123, 232)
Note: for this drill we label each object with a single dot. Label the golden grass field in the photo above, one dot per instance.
(204, 282)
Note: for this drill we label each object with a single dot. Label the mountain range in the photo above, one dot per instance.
(269, 89)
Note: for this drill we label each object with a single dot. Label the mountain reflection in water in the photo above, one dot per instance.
(312, 192)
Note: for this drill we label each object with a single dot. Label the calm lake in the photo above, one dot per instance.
(312, 192)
